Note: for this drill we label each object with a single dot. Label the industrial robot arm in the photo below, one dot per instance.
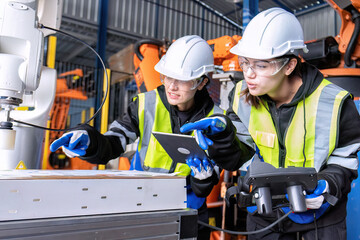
(24, 81)
(338, 58)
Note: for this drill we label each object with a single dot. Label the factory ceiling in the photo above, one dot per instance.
(72, 51)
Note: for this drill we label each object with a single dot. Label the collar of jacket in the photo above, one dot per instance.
(203, 105)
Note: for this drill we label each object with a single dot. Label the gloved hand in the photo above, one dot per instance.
(73, 143)
(201, 169)
(314, 203)
(314, 199)
(205, 127)
(308, 216)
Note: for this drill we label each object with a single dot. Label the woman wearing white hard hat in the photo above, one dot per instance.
(182, 98)
(287, 114)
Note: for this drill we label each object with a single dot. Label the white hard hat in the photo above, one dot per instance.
(188, 58)
(272, 33)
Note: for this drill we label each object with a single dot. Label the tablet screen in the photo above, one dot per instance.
(180, 147)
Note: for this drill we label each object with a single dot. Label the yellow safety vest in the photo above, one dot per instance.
(153, 116)
(321, 123)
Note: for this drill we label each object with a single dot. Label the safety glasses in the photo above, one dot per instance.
(262, 67)
(180, 84)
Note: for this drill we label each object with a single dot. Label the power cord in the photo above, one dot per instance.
(106, 92)
(316, 228)
(246, 233)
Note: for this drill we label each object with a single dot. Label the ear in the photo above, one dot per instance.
(202, 84)
(290, 66)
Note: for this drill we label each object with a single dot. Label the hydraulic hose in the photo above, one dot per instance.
(353, 40)
(105, 95)
(145, 41)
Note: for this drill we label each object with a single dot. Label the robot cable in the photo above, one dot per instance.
(106, 92)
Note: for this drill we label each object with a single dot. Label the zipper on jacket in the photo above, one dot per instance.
(283, 140)
(282, 150)
(177, 124)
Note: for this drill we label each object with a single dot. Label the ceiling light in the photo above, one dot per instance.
(234, 1)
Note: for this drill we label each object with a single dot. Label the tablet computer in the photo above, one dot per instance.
(180, 147)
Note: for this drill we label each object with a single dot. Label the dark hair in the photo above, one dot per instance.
(208, 76)
(255, 100)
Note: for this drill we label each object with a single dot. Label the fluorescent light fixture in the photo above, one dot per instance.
(234, 1)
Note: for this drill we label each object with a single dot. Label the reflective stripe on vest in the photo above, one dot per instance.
(321, 123)
(153, 116)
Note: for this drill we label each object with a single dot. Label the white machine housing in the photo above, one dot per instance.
(24, 81)
(21, 49)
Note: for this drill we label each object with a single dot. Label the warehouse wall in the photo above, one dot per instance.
(320, 23)
(154, 18)
(130, 20)
(171, 19)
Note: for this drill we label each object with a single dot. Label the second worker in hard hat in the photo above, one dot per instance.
(295, 117)
(182, 98)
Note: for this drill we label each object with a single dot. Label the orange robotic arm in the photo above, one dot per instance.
(221, 49)
(348, 37)
(147, 53)
(339, 57)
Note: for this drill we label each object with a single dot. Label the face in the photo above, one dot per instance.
(181, 93)
(263, 76)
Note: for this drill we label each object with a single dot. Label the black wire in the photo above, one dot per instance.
(304, 132)
(106, 92)
(246, 233)
(316, 229)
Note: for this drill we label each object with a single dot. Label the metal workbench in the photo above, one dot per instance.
(79, 204)
(170, 224)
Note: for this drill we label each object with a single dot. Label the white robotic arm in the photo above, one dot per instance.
(24, 81)
(21, 50)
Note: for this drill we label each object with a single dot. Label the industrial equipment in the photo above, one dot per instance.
(85, 204)
(268, 180)
(263, 183)
(27, 88)
(147, 53)
(338, 58)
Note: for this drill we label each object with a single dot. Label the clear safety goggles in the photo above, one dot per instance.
(262, 67)
(180, 84)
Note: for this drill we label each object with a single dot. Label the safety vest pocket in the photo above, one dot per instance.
(299, 162)
(265, 139)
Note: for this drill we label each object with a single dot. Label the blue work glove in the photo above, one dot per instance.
(201, 169)
(205, 127)
(308, 216)
(314, 199)
(73, 143)
(314, 203)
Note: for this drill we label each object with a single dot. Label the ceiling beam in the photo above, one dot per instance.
(207, 7)
(311, 9)
(283, 6)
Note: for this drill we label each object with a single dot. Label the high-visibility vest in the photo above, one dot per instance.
(322, 113)
(153, 116)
